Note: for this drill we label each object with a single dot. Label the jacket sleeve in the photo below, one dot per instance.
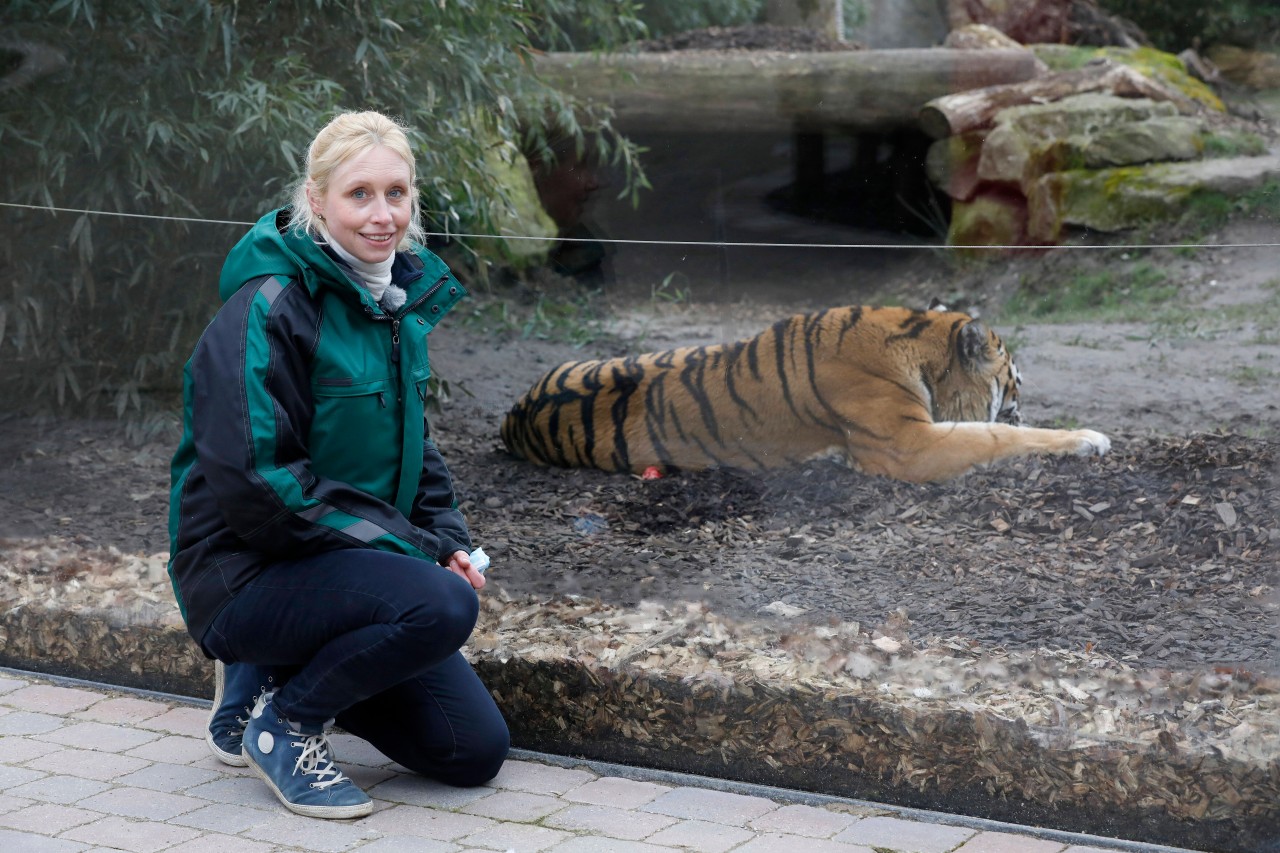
(251, 414)
(435, 507)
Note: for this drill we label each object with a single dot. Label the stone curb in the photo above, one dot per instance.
(627, 715)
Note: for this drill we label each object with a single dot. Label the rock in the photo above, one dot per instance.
(1164, 70)
(1024, 131)
(1252, 68)
(1199, 67)
(1167, 138)
(1126, 197)
(976, 36)
(952, 164)
(983, 37)
(1026, 23)
(520, 215)
(995, 216)
(973, 109)
(1047, 21)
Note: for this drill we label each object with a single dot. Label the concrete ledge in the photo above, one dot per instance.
(822, 710)
(97, 646)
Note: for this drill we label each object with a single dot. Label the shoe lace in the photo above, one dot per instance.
(314, 760)
(248, 710)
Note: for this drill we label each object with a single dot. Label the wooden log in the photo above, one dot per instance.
(951, 115)
(38, 60)
(734, 91)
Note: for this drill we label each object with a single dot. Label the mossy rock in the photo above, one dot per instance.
(1118, 199)
(1162, 67)
(1015, 145)
(1170, 138)
(994, 216)
(519, 217)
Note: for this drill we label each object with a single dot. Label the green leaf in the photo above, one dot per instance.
(37, 311)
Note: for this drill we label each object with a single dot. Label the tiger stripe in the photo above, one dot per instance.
(884, 388)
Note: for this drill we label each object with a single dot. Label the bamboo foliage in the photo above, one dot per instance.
(202, 110)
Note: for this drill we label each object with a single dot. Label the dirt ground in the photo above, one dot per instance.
(1163, 554)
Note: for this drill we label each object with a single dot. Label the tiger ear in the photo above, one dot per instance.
(936, 304)
(972, 345)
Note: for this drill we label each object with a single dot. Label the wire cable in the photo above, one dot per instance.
(711, 244)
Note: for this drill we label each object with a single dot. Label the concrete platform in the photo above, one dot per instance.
(88, 767)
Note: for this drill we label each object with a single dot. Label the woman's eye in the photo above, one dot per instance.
(359, 194)
(397, 193)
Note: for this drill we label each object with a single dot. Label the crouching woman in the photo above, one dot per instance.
(317, 550)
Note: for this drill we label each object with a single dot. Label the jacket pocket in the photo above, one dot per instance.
(418, 378)
(356, 434)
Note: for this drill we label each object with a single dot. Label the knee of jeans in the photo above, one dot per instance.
(482, 762)
(450, 616)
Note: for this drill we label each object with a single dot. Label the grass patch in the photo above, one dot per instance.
(1209, 210)
(1234, 145)
(1086, 343)
(1065, 422)
(671, 292)
(1182, 322)
(573, 321)
(1013, 340)
(1104, 295)
(1247, 374)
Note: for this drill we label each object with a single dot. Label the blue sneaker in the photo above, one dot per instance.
(236, 691)
(294, 762)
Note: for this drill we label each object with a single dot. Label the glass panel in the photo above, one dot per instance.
(1084, 642)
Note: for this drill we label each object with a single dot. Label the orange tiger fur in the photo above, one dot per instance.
(913, 395)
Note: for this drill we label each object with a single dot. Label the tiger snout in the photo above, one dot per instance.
(1011, 416)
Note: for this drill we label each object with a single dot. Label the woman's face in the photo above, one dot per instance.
(368, 204)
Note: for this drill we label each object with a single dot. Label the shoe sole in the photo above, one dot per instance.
(219, 685)
(327, 812)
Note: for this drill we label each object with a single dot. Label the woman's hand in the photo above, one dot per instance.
(460, 564)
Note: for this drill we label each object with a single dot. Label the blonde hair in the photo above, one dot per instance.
(346, 136)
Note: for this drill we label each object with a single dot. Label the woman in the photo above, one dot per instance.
(317, 549)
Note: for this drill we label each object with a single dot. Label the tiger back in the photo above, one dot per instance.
(913, 395)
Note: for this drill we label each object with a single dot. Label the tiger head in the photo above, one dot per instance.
(980, 383)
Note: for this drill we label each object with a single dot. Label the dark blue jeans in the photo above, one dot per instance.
(371, 639)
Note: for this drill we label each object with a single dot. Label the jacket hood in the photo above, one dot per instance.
(272, 247)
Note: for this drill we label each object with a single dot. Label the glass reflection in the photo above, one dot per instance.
(1085, 635)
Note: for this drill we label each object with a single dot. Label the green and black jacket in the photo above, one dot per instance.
(304, 423)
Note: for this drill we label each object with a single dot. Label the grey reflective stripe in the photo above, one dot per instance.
(271, 288)
(317, 512)
(365, 531)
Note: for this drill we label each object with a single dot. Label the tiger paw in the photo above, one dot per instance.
(1092, 443)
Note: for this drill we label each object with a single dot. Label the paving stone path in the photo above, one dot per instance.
(84, 768)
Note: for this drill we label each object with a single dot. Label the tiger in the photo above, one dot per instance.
(908, 394)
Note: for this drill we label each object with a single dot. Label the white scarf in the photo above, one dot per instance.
(376, 277)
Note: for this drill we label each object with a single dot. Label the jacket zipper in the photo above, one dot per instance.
(395, 325)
